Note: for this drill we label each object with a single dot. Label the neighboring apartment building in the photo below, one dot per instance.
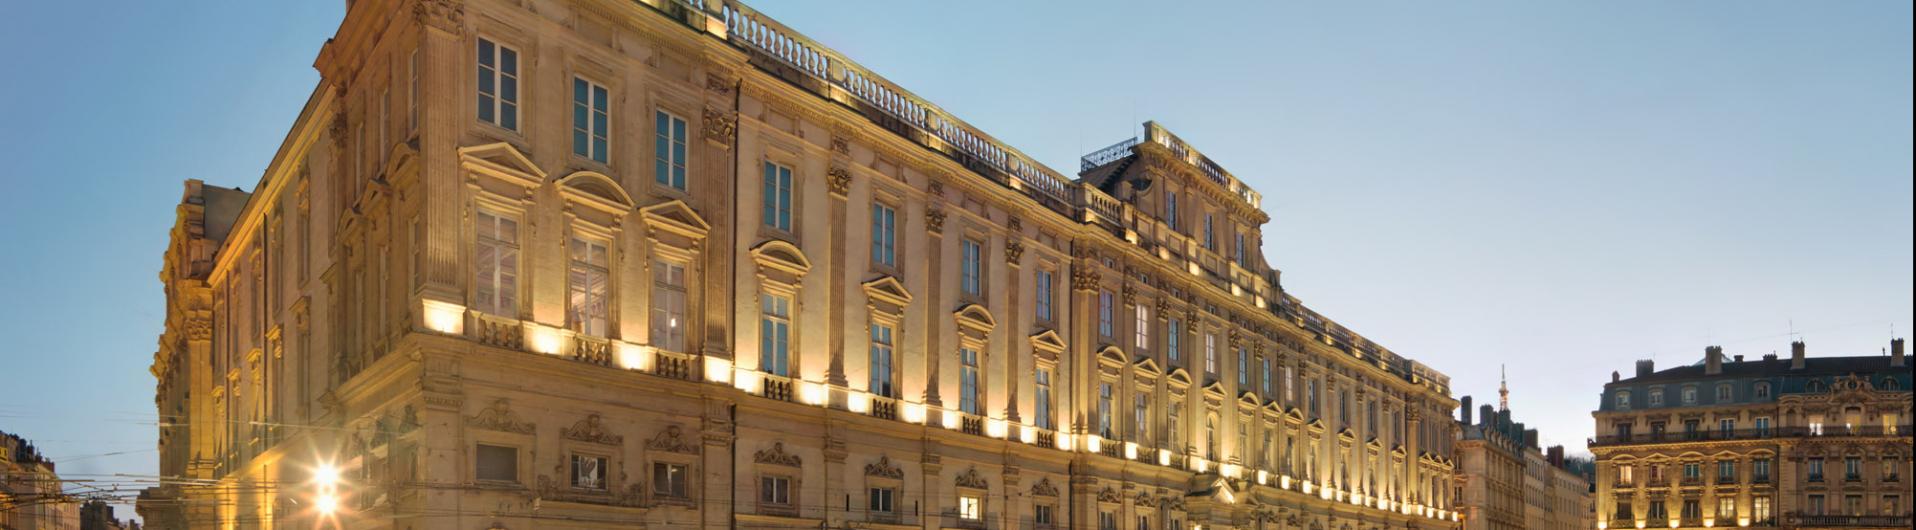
(1506, 482)
(32, 496)
(1771, 443)
(98, 515)
(610, 262)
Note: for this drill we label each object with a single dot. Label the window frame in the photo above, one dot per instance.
(597, 129)
(499, 107)
(676, 155)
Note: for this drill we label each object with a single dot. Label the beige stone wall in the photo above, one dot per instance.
(346, 323)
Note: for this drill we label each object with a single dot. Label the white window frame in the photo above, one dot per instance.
(776, 204)
(597, 129)
(497, 102)
(503, 283)
(670, 306)
(589, 313)
(668, 165)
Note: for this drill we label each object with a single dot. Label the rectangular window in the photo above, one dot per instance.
(496, 264)
(1210, 232)
(1105, 313)
(589, 285)
(884, 235)
(1726, 428)
(1043, 379)
(1726, 471)
(1760, 509)
(588, 472)
(880, 499)
(1174, 338)
(1852, 504)
(591, 119)
(498, 85)
(1104, 411)
(1243, 368)
(497, 463)
(1171, 209)
(1760, 470)
(778, 197)
(775, 491)
(968, 382)
(1044, 281)
(1816, 506)
(418, 248)
(1141, 419)
(668, 306)
(1264, 376)
(1763, 427)
(1107, 521)
(1816, 469)
(1726, 508)
(1290, 387)
(1692, 510)
(668, 480)
(1142, 326)
(1042, 514)
(1692, 471)
(1892, 504)
(971, 265)
(1853, 468)
(774, 334)
(668, 150)
(971, 507)
(881, 381)
(1210, 355)
(1243, 257)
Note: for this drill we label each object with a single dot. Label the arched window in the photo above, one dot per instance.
(1761, 390)
(1815, 385)
(1890, 383)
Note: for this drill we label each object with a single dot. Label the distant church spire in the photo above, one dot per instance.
(1503, 388)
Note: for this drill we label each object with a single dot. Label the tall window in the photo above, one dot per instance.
(588, 285)
(1105, 313)
(1210, 354)
(1761, 390)
(668, 480)
(1243, 258)
(1724, 393)
(1243, 368)
(971, 266)
(881, 499)
(498, 85)
(1104, 410)
(1175, 341)
(1043, 281)
(1816, 469)
(668, 150)
(1210, 232)
(1762, 427)
(590, 119)
(1264, 371)
(881, 383)
(1210, 437)
(775, 490)
(1141, 418)
(778, 197)
(1142, 327)
(1726, 508)
(971, 507)
(1043, 379)
(968, 382)
(588, 472)
(1760, 508)
(1310, 394)
(1171, 209)
(1726, 471)
(1172, 430)
(884, 235)
(496, 264)
(774, 334)
(668, 306)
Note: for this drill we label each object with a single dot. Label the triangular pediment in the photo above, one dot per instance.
(1397, 451)
(1247, 398)
(1374, 445)
(1222, 491)
(889, 290)
(1148, 366)
(676, 217)
(975, 316)
(1215, 389)
(1345, 435)
(1048, 341)
(782, 256)
(595, 190)
(504, 161)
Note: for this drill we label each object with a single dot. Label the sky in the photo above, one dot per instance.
(1553, 188)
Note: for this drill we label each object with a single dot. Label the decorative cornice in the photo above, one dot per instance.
(498, 417)
(777, 456)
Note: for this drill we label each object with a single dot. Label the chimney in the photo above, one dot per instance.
(1614, 376)
(1530, 438)
(1466, 410)
(1896, 353)
(1646, 367)
(1769, 357)
(1796, 355)
(1712, 360)
(1555, 455)
(1739, 358)
(1486, 415)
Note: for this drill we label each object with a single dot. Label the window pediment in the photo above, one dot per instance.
(675, 217)
(501, 161)
(594, 190)
(889, 290)
(1147, 367)
(1179, 377)
(782, 257)
(1111, 356)
(976, 318)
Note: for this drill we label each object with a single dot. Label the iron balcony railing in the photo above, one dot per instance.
(1856, 521)
(1749, 434)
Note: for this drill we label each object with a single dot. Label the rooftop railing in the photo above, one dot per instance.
(1749, 434)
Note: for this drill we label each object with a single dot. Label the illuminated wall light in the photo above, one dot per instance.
(716, 370)
(1164, 457)
(813, 393)
(914, 413)
(996, 428)
(1028, 434)
(1603, 525)
(858, 402)
(1130, 450)
(1709, 523)
(1065, 441)
(748, 381)
(1228, 470)
(1307, 487)
(634, 357)
(444, 317)
(1325, 493)
(1284, 481)
(951, 419)
(1455, 517)
(1093, 443)
(1263, 477)
(1201, 465)
(1742, 521)
(544, 339)
(1674, 522)
(1641, 524)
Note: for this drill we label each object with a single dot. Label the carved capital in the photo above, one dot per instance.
(446, 15)
(1014, 252)
(720, 126)
(935, 221)
(840, 180)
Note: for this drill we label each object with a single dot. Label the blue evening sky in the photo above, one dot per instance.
(1559, 187)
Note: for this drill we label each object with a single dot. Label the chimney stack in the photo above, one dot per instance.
(1646, 367)
(1466, 409)
(1896, 353)
(1486, 415)
(1530, 438)
(1796, 355)
(1712, 360)
(1739, 358)
(1555, 455)
(1614, 376)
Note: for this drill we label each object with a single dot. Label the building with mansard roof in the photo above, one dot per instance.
(571, 263)
(1803, 442)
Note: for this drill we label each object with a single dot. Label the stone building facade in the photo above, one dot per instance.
(1506, 482)
(586, 263)
(32, 496)
(1803, 442)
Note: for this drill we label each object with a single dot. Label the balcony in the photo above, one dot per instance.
(884, 408)
(1850, 521)
(1745, 434)
(779, 388)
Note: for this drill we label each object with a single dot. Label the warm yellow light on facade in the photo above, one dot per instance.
(1130, 450)
(813, 393)
(1603, 525)
(1263, 477)
(1742, 521)
(634, 357)
(1164, 457)
(717, 370)
(1709, 523)
(1028, 434)
(1675, 522)
(543, 339)
(858, 402)
(951, 419)
(914, 412)
(747, 380)
(1093, 443)
(996, 428)
(1284, 481)
(444, 317)
(1228, 470)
